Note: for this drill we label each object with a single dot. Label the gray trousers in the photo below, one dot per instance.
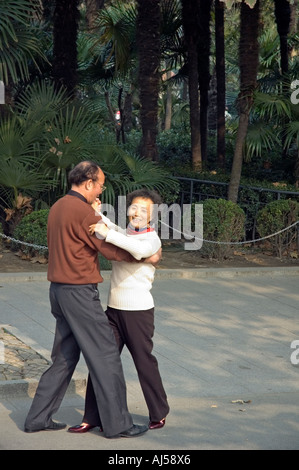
(82, 325)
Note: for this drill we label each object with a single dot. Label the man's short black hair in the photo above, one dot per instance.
(84, 171)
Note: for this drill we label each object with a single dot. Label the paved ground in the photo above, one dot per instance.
(223, 342)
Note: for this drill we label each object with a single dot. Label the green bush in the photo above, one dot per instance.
(174, 149)
(33, 229)
(273, 218)
(253, 194)
(223, 221)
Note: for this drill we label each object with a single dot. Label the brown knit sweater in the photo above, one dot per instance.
(73, 252)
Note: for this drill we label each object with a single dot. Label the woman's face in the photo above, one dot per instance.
(140, 212)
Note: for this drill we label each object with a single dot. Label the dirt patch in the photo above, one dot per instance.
(174, 257)
(11, 262)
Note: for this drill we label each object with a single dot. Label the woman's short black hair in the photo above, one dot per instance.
(144, 193)
(84, 171)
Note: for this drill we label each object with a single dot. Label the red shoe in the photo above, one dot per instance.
(81, 428)
(157, 424)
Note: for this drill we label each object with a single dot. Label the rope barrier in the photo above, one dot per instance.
(44, 248)
(39, 247)
(235, 243)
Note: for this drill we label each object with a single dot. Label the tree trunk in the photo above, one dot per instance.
(220, 77)
(191, 37)
(249, 60)
(204, 70)
(168, 110)
(293, 24)
(283, 21)
(128, 114)
(148, 45)
(293, 30)
(65, 26)
(238, 157)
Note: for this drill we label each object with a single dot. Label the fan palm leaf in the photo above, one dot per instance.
(16, 176)
(260, 137)
(18, 39)
(68, 141)
(272, 105)
(117, 25)
(19, 140)
(292, 134)
(41, 101)
(145, 173)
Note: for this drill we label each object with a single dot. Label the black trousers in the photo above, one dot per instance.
(135, 329)
(82, 325)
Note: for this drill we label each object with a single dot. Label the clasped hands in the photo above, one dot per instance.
(101, 230)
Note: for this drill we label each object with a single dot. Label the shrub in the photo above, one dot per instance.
(174, 149)
(223, 221)
(273, 218)
(33, 229)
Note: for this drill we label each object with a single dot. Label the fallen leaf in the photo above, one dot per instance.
(39, 259)
(241, 402)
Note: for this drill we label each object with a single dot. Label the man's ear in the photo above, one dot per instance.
(88, 185)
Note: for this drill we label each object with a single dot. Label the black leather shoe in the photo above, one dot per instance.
(135, 431)
(52, 427)
(81, 428)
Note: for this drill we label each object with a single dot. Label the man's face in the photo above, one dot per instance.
(96, 188)
(140, 212)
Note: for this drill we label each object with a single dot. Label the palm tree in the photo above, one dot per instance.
(293, 25)
(249, 60)
(190, 15)
(220, 77)
(47, 134)
(65, 28)
(109, 61)
(204, 70)
(283, 19)
(23, 145)
(19, 43)
(171, 47)
(148, 45)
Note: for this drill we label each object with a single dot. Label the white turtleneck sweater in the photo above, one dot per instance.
(131, 283)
